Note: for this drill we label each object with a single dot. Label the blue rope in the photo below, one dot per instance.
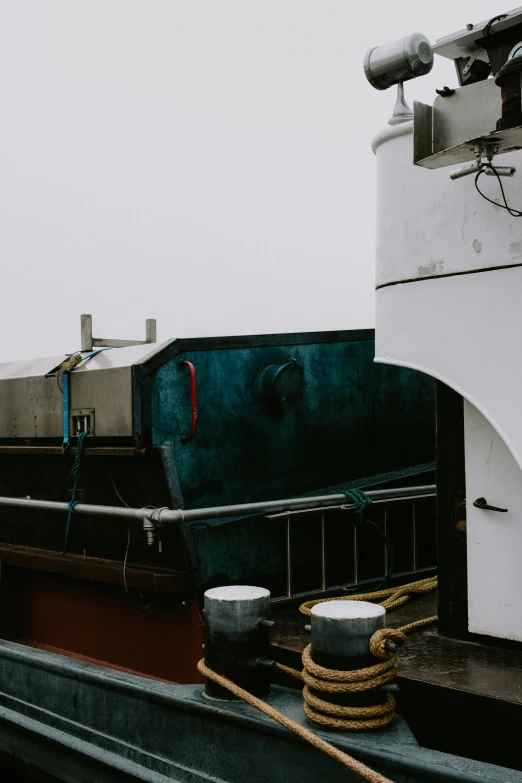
(65, 381)
(361, 501)
(76, 477)
(67, 397)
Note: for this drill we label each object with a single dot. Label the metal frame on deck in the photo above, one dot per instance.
(404, 494)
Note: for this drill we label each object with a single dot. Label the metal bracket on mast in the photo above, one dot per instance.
(489, 151)
(88, 342)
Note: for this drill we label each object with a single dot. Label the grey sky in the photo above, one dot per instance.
(203, 162)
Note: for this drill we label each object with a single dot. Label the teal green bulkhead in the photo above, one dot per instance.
(352, 418)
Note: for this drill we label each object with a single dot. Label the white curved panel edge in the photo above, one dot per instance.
(463, 330)
(438, 308)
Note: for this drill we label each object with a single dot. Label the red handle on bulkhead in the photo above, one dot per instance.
(193, 401)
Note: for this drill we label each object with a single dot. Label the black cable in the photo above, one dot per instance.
(487, 29)
(115, 488)
(389, 547)
(505, 205)
(134, 606)
(361, 501)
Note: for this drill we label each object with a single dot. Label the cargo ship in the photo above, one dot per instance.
(287, 557)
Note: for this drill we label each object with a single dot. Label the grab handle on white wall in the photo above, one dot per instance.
(482, 503)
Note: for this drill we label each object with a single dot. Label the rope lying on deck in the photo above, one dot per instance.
(343, 758)
(393, 598)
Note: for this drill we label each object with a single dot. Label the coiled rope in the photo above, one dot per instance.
(383, 646)
(319, 678)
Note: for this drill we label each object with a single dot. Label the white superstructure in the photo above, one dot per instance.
(449, 303)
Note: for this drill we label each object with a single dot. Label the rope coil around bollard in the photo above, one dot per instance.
(383, 646)
(335, 716)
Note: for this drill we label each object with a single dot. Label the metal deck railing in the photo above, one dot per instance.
(407, 519)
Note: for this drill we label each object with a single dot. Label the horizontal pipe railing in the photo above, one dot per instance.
(269, 507)
(168, 516)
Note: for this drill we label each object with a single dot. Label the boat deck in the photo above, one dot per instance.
(457, 696)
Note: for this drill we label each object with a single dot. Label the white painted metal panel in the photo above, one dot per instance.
(31, 405)
(494, 539)
(429, 225)
(465, 331)
(449, 303)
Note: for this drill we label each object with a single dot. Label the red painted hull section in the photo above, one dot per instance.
(159, 636)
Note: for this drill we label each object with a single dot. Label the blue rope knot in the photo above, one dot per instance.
(360, 499)
(76, 477)
(72, 505)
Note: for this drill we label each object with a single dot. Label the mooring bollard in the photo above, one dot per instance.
(341, 632)
(237, 639)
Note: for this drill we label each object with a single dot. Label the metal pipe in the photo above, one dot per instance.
(502, 171)
(464, 171)
(168, 516)
(324, 562)
(273, 506)
(289, 576)
(158, 515)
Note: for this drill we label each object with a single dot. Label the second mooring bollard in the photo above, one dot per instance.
(237, 638)
(341, 632)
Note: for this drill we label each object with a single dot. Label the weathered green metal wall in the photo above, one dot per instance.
(352, 419)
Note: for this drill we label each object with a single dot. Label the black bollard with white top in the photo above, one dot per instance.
(237, 640)
(341, 633)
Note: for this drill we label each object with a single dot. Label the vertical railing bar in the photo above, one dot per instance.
(355, 557)
(289, 585)
(323, 553)
(385, 533)
(414, 531)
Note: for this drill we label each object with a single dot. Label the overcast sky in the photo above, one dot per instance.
(203, 162)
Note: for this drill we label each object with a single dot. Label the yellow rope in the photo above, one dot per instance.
(319, 678)
(324, 713)
(393, 596)
(343, 758)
